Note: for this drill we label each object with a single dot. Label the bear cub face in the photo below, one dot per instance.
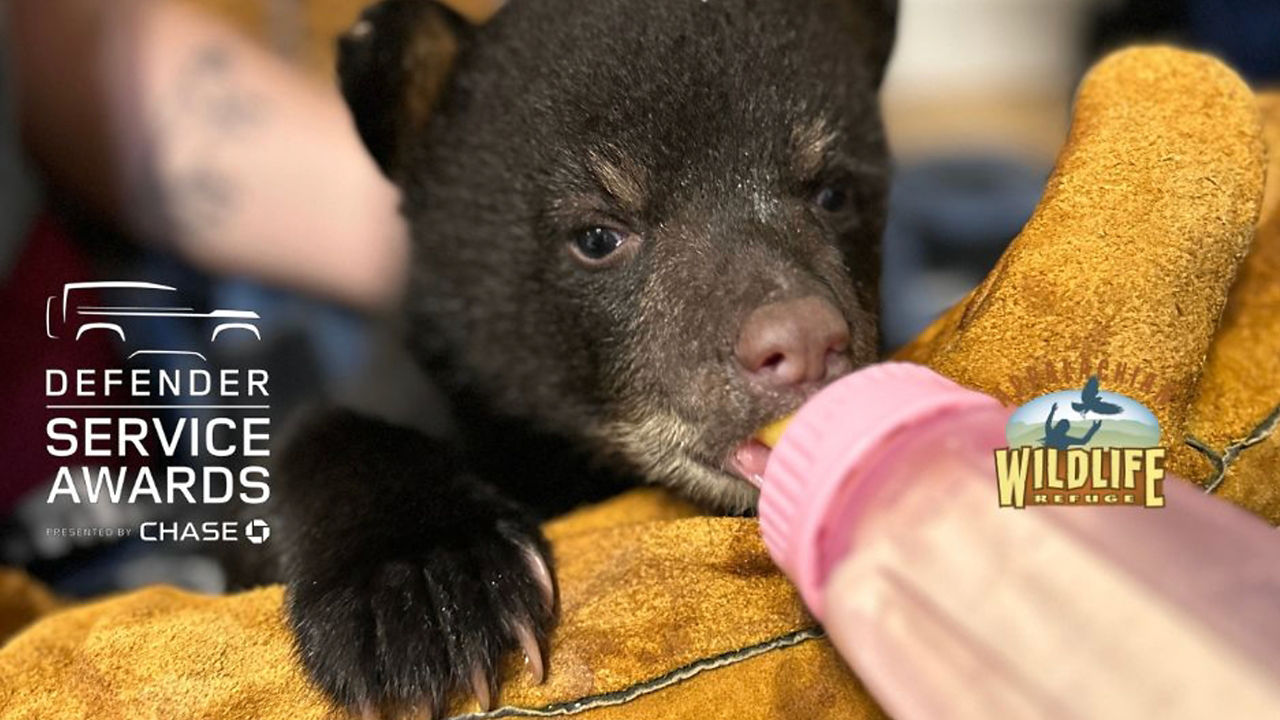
(649, 227)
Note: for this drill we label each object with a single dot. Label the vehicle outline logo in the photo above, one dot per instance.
(111, 315)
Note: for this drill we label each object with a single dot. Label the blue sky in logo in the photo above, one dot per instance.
(1034, 413)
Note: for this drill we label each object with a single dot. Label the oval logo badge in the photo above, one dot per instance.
(1086, 418)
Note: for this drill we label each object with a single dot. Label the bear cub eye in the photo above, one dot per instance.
(832, 197)
(596, 244)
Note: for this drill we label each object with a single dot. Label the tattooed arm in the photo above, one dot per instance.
(190, 136)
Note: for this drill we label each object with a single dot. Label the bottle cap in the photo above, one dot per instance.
(832, 435)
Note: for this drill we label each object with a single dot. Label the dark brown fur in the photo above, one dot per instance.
(703, 131)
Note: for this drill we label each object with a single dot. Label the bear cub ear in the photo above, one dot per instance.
(876, 29)
(393, 65)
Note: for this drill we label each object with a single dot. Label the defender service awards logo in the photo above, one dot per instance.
(189, 432)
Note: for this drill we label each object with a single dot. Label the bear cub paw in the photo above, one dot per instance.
(402, 633)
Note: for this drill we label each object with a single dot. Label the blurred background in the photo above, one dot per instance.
(202, 144)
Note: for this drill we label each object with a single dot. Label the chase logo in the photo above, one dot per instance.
(257, 531)
(1082, 446)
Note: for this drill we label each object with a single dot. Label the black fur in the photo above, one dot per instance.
(700, 131)
(407, 572)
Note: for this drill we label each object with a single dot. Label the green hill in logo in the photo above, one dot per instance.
(1113, 433)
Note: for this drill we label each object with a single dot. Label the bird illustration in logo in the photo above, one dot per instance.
(1092, 402)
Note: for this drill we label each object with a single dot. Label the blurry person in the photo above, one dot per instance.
(158, 123)
(189, 136)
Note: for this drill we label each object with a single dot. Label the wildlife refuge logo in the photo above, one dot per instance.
(1081, 447)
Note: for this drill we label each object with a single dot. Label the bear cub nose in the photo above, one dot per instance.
(794, 342)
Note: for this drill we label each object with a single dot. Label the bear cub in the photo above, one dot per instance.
(641, 230)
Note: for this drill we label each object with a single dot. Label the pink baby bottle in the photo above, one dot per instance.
(880, 502)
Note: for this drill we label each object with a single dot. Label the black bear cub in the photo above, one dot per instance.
(642, 229)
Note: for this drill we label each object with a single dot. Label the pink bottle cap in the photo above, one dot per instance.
(831, 436)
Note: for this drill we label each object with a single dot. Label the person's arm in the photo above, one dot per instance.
(1093, 429)
(190, 136)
